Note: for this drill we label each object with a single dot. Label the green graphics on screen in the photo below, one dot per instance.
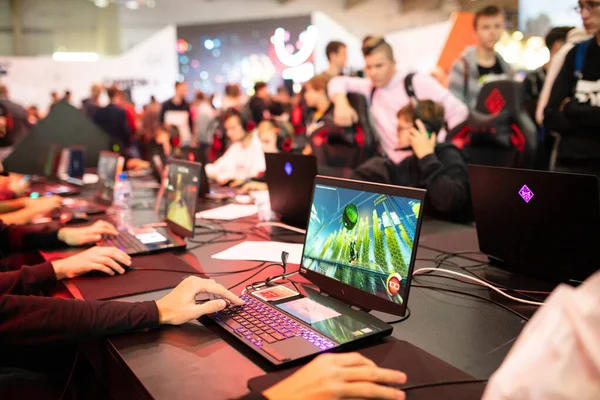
(362, 239)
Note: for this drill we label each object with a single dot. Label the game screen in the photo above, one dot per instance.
(362, 239)
(107, 171)
(182, 195)
(52, 161)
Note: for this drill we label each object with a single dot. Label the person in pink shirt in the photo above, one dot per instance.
(385, 88)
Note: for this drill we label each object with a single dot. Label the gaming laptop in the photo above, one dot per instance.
(181, 203)
(360, 249)
(49, 183)
(290, 179)
(538, 223)
(158, 160)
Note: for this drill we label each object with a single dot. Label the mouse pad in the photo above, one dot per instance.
(132, 282)
(419, 366)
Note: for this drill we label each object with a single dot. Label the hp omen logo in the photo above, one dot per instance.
(288, 168)
(526, 194)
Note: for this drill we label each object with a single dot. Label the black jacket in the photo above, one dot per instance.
(444, 174)
(113, 120)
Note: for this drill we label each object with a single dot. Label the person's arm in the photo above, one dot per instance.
(456, 80)
(340, 86)
(7, 206)
(446, 179)
(27, 280)
(551, 74)
(163, 110)
(34, 320)
(586, 115)
(455, 111)
(554, 118)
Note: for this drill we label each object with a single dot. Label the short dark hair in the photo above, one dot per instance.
(558, 34)
(366, 39)
(333, 48)
(377, 43)
(487, 11)
(259, 86)
(233, 90)
(232, 112)
(200, 95)
(428, 110)
(112, 92)
(179, 83)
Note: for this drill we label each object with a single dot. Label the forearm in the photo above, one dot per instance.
(586, 116)
(28, 279)
(20, 217)
(7, 206)
(28, 320)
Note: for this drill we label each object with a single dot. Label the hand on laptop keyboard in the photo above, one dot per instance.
(179, 306)
(87, 234)
(337, 376)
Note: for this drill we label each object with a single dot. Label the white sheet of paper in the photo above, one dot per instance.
(229, 212)
(262, 251)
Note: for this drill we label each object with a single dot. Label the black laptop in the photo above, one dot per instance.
(360, 249)
(544, 224)
(48, 183)
(290, 179)
(180, 215)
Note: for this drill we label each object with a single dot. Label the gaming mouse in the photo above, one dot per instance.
(96, 273)
(71, 218)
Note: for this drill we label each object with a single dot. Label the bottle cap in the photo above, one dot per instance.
(122, 176)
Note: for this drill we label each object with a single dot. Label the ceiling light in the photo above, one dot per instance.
(75, 56)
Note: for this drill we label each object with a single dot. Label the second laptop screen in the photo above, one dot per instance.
(362, 239)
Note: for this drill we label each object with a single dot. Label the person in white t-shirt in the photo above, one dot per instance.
(244, 159)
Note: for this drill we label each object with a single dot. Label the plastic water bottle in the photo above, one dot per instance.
(122, 202)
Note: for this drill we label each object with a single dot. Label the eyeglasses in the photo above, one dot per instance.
(586, 5)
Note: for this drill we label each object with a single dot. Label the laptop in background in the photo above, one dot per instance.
(290, 180)
(360, 249)
(49, 183)
(544, 224)
(194, 154)
(180, 215)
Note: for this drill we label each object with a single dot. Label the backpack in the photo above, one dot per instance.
(408, 86)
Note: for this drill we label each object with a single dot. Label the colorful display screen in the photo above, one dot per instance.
(182, 195)
(362, 239)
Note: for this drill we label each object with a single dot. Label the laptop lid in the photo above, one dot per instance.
(182, 197)
(72, 165)
(537, 223)
(361, 242)
(110, 165)
(290, 179)
(194, 154)
(52, 161)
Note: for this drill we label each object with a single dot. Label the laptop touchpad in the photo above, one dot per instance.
(295, 347)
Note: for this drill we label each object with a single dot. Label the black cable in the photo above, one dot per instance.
(404, 318)
(257, 273)
(472, 295)
(224, 273)
(443, 383)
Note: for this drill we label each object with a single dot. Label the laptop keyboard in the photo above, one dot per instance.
(125, 241)
(259, 323)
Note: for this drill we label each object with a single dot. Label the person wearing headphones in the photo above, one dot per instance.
(441, 168)
(244, 159)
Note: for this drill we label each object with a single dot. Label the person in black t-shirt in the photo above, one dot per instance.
(573, 110)
(176, 111)
(480, 64)
(441, 168)
(259, 103)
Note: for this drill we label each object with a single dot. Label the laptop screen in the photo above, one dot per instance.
(182, 194)
(107, 172)
(362, 239)
(77, 163)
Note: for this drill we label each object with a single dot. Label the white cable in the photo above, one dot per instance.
(280, 225)
(421, 271)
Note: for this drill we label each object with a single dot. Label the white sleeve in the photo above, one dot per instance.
(223, 167)
(427, 88)
(258, 165)
(553, 70)
(349, 84)
(557, 356)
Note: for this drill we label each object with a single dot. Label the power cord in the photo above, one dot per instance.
(281, 225)
(224, 273)
(494, 288)
(404, 318)
(443, 383)
(518, 314)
